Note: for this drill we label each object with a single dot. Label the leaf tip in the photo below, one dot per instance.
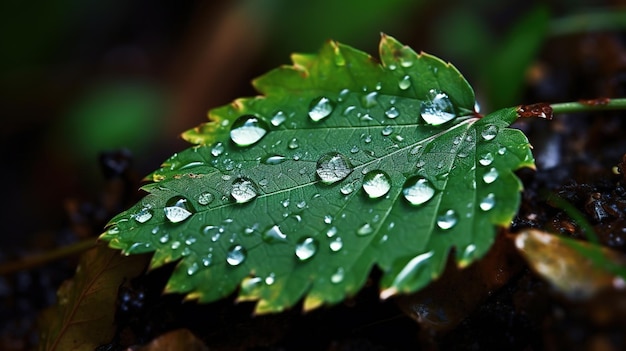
(311, 302)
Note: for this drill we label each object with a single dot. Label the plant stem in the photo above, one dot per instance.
(37, 260)
(591, 105)
(607, 20)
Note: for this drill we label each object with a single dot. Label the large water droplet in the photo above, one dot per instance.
(274, 234)
(278, 118)
(274, 159)
(336, 244)
(333, 167)
(490, 132)
(486, 159)
(490, 176)
(365, 229)
(143, 215)
(376, 184)
(392, 112)
(417, 190)
(369, 100)
(447, 220)
(338, 276)
(321, 108)
(488, 202)
(247, 130)
(438, 109)
(217, 150)
(306, 248)
(205, 198)
(177, 209)
(236, 255)
(404, 83)
(243, 190)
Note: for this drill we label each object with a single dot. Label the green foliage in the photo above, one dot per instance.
(342, 164)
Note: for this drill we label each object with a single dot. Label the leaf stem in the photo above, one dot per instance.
(29, 262)
(589, 105)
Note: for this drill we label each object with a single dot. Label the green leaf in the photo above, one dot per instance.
(342, 164)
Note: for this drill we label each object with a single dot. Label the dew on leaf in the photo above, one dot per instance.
(243, 190)
(365, 229)
(278, 118)
(416, 149)
(354, 149)
(320, 108)
(336, 244)
(502, 150)
(376, 184)
(417, 190)
(175, 245)
(236, 255)
(347, 188)
(348, 110)
(333, 167)
(248, 130)
(386, 131)
(328, 219)
(437, 109)
(217, 149)
(369, 100)
(404, 83)
(164, 238)
(274, 159)
(143, 215)
(274, 234)
(332, 231)
(293, 144)
(205, 198)
(392, 112)
(338, 276)
(490, 132)
(301, 204)
(285, 203)
(155, 230)
(490, 176)
(447, 220)
(190, 241)
(177, 209)
(207, 260)
(193, 268)
(343, 94)
(488, 202)
(486, 159)
(306, 248)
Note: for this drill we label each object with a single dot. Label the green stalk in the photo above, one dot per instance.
(592, 105)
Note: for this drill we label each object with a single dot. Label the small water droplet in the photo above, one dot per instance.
(488, 202)
(320, 108)
(155, 230)
(490, 176)
(338, 276)
(164, 238)
(270, 279)
(417, 190)
(193, 268)
(236, 255)
(243, 190)
(392, 112)
(328, 219)
(354, 149)
(367, 118)
(306, 248)
(248, 130)
(486, 159)
(386, 131)
(404, 83)
(502, 151)
(143, 215)
(416, 150)
(175, 245)
(190, 241)
(348, 110)
(438, 109)
(333, 167)
(274, 234)
(177, 209)
(278, 118)
(447, 220)
(332, 231)
(301, 204)
(293, 144)
(207, 260)
(285, 203)
(336, 244)
(392, 67)
(205, 198)
(376, 184)
(343, 94)
(274, 159)
(365, 229)
(367, 139)
(490, 132)
(347, 188)
(217, 150)
(369, 100)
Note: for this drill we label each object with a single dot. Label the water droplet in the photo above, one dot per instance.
(164, 238)
(274, 159)
(143, 215)
(365, 229)
(155, 230)
(285, 203)
(278, 118)
(175, 245)
(502, 151)
(386, 131)
(367, 139)
(336, 244)
(488, 202)
(332, 231)
(348, 110)
(247, 130)
(490, 132)
(193, 268)
(347, 188)
(333, 167)
(343, 94)
(236, 255)
(306, 248)
(274, 234)
(376, 184)
(490, 176)
(354, 149)
(404, 83)
(270, 279)
(392, 67)
(438, 109)
(369, 100)
(177, 209)
(416, 150)
(417, 190)
(447, 220)
(321, 108)
(328, 219)
(205, 198)
(301, 204)
(293, 144)
(486, 159)
(243, 190)
(217, 150)
(207, 260)
(392, 112)
(338, 276)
